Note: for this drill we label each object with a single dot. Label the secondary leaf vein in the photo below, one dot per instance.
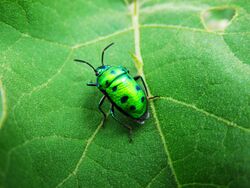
(35, 37)
(89, 141)
(101, 38)
(154, 178)
(209, 114)
(178, 27)
(9, 153)
(41, 86)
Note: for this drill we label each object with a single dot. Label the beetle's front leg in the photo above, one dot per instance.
(91, 84)
(112, 111)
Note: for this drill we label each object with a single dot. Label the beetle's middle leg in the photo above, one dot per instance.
(100, 109)
(112, 111)
(145, 87)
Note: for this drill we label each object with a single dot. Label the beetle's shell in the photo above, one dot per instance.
(124, 92)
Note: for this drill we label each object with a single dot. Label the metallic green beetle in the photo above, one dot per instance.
(122, 91)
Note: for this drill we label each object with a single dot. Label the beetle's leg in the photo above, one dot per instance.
(153, 97)
(112, 111)
(103, 51)
(91, 84)
(100, 109)
(144, 85)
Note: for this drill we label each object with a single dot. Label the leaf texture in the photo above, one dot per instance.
(198, 134)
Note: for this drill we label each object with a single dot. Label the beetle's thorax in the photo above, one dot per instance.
(107, 74)
(100, 70)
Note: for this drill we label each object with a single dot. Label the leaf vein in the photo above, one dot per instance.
(35, 37)
(178, 27)
(41, 86)
(174, 7)
(4, 105)
(245, 65)
(209, 114)
(75, 170)
(9, 153)
(200, 184)
(106, 169)
(154, 178)
(101, 38)
(138, 56)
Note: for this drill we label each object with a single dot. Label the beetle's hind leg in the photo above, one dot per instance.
(153, 97)
(144, 84)
(112, 111)
(145, 87)
(100, 109)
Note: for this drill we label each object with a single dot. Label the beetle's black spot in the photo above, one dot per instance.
(124, 99)
(114, 88)
(107, 82)
(112, 72)
(142, 99)
(137, 88)
(129, 77)
(132, 107)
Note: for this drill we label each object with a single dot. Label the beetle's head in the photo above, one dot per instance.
(101, 69)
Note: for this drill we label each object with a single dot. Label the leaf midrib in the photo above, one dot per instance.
(135, 21)
(4, 105)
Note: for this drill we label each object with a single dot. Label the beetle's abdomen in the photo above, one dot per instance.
(128, 96)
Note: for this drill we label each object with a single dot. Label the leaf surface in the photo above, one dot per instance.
(199, 131)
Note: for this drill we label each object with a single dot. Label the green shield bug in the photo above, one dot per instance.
(122, 90)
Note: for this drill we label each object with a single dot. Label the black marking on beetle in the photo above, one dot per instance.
(114, 88)
(107, 82)
(142, 99)
(129, 77)
(132, 107)
(137, 88)
(124, 99)
(112, 72)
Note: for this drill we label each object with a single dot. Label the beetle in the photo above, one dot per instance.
(122, 90)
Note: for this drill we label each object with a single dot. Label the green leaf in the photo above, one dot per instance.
(218, 18)
(3, 107)
(198, 134)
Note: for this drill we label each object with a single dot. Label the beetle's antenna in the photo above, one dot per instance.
(104, 51)
(82, 61)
